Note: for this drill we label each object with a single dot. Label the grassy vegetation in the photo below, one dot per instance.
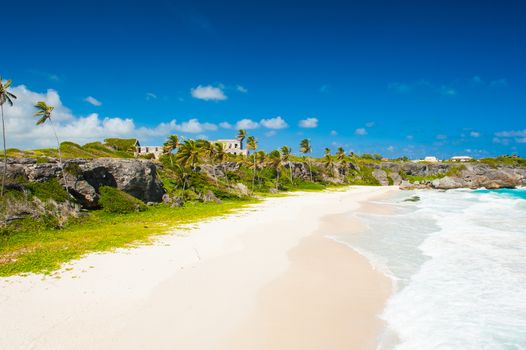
(44, 250)
(113, 200)
(452, 171)
(73, 150)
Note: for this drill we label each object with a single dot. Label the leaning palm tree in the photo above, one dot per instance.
(252, 145)
(209, 151)
(340, 154)
(306, 148)
(171, 144)
(285, 152)
(276, 162)
(241, 136)
(220, 155)
(5, 96)
(44, 112)
(328, 162)
(189, 154)
(261, 160)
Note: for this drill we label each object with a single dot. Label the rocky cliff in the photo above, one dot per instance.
(448, 176)
(83, 177)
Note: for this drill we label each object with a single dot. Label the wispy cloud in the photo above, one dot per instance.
(474, 134)
(334, 133)
(494, 84)
(308, 123)
(150, 96)
(93, 101)
(225, 125)
(422, 86)
(241, 89)
(360, 131)
(208, 93)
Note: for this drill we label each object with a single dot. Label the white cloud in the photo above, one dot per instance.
(513, 133)
(193, 126)
(247, 124)
(441, 137)
(208, 93)
(309, 123)
(151, 96)
(241, 89)
(499, 83)
(390, 148)
(370, 124)
(225, 125)
(274, 123)
(521, 140)
(270, 133)
(93, 101)
(474, 134)
(334, 133)
(22, 131)
(360, 131)
(447, 90)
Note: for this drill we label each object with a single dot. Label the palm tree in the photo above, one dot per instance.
(44, 112)
(209, 151)
(340, 154)
(328, 162)
(286, 151)
(5, 96)
(261, 159)
(220, 155)
(241, 135)
(189, 154)
(327, 151)
(306, 148)
(171, 144)
(252, 145)
(276, 162)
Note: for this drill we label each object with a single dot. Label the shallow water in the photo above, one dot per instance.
(458, 263)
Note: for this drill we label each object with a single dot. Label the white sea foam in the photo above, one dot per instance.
(459, 259)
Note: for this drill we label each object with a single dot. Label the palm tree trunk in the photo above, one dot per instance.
(254, 173)
(4, 174)
(59, 155)
(291, 175)
(310, 171)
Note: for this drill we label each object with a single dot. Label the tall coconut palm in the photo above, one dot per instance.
(340, 154)
(241, 136)
(44, 114)
(306, 148)
(189, 154)
(285, 153)
(209, 151)
(171, 144)
(327, 151)
(328, 162)
(5, 96)
(261, 159)
(252, 145)
(276, 162)
(220, 155)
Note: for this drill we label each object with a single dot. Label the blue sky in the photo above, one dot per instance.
(399, 78)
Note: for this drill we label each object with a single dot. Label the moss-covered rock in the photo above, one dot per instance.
(114, 200)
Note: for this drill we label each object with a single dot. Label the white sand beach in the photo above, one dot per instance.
(265, 278)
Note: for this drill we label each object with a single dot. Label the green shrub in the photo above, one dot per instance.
(51, 189)
(114, 200)
(120, 144)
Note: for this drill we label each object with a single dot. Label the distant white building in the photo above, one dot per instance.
(461, 159)
(232, 146)
(431, 159)
(157, 151)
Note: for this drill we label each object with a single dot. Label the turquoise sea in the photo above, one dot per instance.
(458, 264)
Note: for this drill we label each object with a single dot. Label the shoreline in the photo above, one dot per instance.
(180, 288)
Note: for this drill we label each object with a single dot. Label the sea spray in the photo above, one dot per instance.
(458, 259)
